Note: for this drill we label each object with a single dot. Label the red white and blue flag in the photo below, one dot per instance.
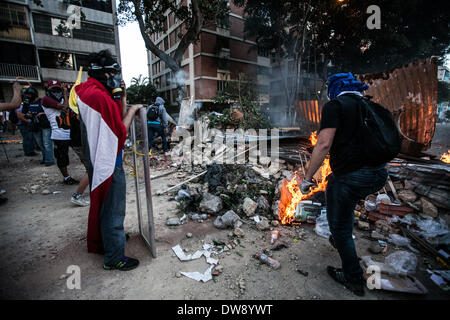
(106, 134)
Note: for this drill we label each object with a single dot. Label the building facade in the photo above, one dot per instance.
(221, 54)
(53, 40)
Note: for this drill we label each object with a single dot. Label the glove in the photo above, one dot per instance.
(305, 186)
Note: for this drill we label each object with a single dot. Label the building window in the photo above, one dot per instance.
(224, 22)
(17, 53)
(82, 60)
(12, 15)
(101, 5)
(56, 59)
(93, 32)
(59, 28)
(42, 23)
(263, 52)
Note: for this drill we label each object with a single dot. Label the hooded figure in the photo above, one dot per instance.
(157, 122)
(341, 83)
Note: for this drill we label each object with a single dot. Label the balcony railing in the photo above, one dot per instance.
(9, 71)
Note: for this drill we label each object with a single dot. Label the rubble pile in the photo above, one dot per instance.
(416, 195)
(228, 188)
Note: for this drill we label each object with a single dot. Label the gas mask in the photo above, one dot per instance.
(56, 93)
(27, 99)
(113, 83)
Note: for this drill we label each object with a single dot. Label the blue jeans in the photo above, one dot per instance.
(45, 143)
(153, 131)
(27, 138)
(112, 216)
(342, 194)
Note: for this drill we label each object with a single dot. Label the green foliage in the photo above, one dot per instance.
(337, 31)
(141, 91)
(241, 95)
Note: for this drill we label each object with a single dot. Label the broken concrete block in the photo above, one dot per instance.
(238, 232)
(263, 225)
(362, 225)
(249, 207)
(429, 208)
(263, 205)
(407, 195)
(173, 221)
(275, 209)
(228, 220)
(210, 204)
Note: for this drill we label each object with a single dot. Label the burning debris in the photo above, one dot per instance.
(291, 195)
(446, 157)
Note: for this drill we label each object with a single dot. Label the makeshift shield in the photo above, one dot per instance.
(143, 190)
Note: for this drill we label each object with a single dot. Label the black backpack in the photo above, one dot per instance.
(378, 136)
(153, 112)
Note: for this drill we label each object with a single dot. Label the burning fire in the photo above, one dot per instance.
(446, 157)
(313, 138)
(290, 191)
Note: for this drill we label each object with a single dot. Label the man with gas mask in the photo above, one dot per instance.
(101, 102)
(55, 105)
(32, 115)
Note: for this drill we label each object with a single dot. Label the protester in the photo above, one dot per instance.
(24, 125)
(54, 104)
(352, 178)
(16, 99)
(35, 121)
(157, 123)
(101, 102)
(76, 144)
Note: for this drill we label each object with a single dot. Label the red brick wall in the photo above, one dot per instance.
(205, 89)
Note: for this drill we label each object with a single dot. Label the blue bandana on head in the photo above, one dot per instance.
(341, 82)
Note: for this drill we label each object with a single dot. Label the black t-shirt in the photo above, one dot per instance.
(345, 155)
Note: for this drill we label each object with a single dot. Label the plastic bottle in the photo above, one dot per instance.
(197, 216)
(275, 235)
(268, 260)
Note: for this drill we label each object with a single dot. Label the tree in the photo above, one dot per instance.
(240, 95)
(151, 16)
(324, 31)
(408, 32)
(139, 80)
(141, 91)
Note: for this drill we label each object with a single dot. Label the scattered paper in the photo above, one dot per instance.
(206, 276)
(256, 219)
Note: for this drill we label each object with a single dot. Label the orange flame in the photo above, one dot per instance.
(446, 157)
(313, 138)
(291, 194)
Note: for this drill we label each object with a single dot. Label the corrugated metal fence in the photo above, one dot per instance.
(409, 92)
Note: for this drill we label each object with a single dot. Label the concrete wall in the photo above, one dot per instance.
(70, 44)
(61, 75)
(57, 7)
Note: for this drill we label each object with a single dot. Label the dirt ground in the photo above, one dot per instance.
(42, 235)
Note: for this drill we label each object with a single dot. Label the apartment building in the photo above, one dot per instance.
(221, 53)
(37, 42)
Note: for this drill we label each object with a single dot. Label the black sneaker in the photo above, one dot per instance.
(125, 264)
(70, 180)
(338, 275)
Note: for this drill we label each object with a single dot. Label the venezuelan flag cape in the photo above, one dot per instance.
(106, 134)
(73, 96)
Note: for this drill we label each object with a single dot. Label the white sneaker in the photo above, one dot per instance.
(80, 201)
